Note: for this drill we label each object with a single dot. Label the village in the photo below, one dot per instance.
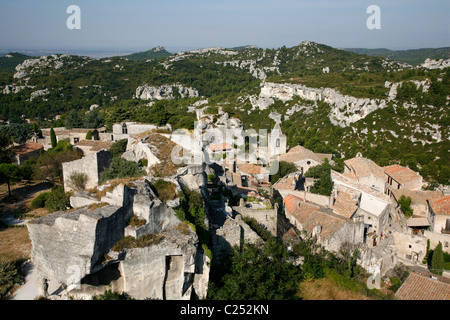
(231, 168)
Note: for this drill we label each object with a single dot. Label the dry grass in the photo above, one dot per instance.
(325, 289)
(112, 184)
(15, 244)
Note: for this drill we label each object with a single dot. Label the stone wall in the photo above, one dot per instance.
(349, 233)
(308, 196)
(75, 241)
(92, 165)
(268, 218)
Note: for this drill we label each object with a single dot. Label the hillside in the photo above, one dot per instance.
(414, 57)
(155, 53)
(330, 100)
(9, 61)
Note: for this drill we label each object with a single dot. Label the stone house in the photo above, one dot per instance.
(304, 158)
(126, 129)
(421, 218)
(330, 229)
(258, 172)
(366, 172)
(92, 166)
(373, 206)
(26, 151)
(440, 212)
(73, 136)
(398, 177)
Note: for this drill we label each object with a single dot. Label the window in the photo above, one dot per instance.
(124, 128)
(277, 143)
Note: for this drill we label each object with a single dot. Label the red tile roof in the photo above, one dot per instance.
(310, 215)
(401, 174)
(440, 205)
(27, 148)
(220, 146)
(292, 202)
(417, 287)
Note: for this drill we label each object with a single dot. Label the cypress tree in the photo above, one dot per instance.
(437, 262)
(53, 138)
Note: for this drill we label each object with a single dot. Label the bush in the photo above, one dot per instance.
(118, 148)
(112, 295)
(78, 180)
(57, 200)
(8, 272)
(121, 168)
(89, 135)
(39, 201)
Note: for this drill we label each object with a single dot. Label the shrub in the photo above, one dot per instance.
(143, 162)
(78, 180)
(118, 148)
(165, 190)
(136, 222)
(112, 295)
(89, 135)
(121, 168)
(8, 272)
(57, 200)
(39, 201)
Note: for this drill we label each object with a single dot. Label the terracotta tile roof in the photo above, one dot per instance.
(417, 196)
(346, 202)
(220, 146)
(299, 153)
(96, 145)
(252, 169)
(27, 148)
(292, 202)
(440, 205)
(362, 167)
(310, 215)
(288, 182)
(340, 179)
(417, 287)
(401, 174)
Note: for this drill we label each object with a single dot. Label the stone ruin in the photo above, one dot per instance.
(74, 252)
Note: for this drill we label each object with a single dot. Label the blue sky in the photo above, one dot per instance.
(190, 24)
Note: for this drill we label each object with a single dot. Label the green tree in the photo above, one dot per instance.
(17, 132)
(284, 168)
(437, 261)
(10, 174)
(258, 272)
(73, 120)
(405, 206)
(93, 119)
(53, 138)
(118, 148)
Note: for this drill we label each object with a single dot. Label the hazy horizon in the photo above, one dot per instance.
(140, 25)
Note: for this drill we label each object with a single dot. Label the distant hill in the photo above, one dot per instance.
(155, 53)
(413, 56)
(9, 61)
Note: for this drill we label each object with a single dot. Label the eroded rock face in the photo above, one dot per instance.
(64, 244)
(345, 109)
(165, 92)
(81, 243)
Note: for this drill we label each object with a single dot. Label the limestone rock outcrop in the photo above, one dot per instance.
(78, 250)
(165, 92)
